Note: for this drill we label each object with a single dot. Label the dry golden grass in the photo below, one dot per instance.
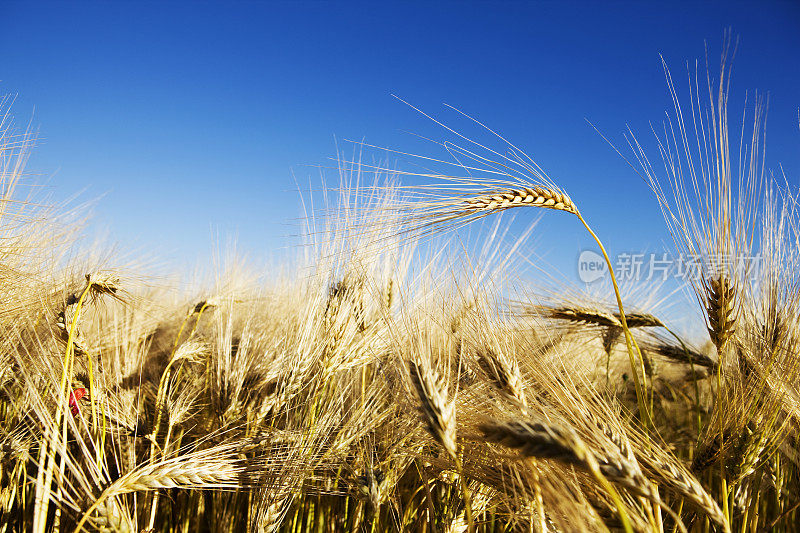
(383, 382)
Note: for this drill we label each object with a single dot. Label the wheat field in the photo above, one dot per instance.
(387, 379)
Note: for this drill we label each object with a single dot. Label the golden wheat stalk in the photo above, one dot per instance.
(440, 418)
(546, 441)
(721, 307)
(459, 208)
(439, 413)
(680, 354)
(504, 373)
(514, 180)
(536, 197)
(584, 315)
(208, 469)
(673, 476)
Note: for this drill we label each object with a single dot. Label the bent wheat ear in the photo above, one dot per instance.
(643, 320)
(537, 197)
(220, 474)
(682, 355)
(599, 317)
(100, 283)
(537, 439)
(580, 314)
(428, 210)
(207, 469)
(674, 477)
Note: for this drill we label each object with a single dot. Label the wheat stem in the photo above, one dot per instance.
(630, 342)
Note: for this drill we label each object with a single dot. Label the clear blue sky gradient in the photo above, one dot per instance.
(191, 117)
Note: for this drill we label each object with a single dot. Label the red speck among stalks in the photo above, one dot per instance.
(74, 397)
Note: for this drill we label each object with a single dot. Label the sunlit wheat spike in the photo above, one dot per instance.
(271, 513)
(111, 517)
(585, 315)
(752, 448)
(493, 185)
(675, 477)
(214, 468)
(600, 317)
(546, 441)
(98, 283)
(721, 309)
(616, 436)
(207, 474)
(536, 197)
(388, 295)
(641, 320)
(13, 446)
(439, 414)
(536, 439)
(504, 373)
(190, 351)
(465, 206)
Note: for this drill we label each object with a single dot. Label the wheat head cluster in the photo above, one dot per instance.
(386, 379)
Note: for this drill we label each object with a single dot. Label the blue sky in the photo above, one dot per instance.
(190, 119)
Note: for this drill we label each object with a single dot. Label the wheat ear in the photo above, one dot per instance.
(682, 355)
(579, 314)
(678, 479)
(460, 208)
(533, 196)
(504, 374)
(721, 309)
(439, 413)
(205, 470)
(536, 439)
(440, 418)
